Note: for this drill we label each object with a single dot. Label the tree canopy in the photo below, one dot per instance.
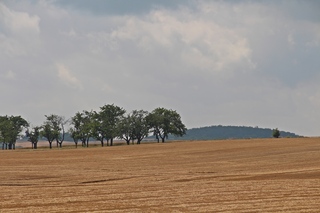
(33, 136)
(134, 126)
(108, 123)
(82, 127)
(276, 133)
(110, 116)
(10, 129)
(164, 122)
(53, 129)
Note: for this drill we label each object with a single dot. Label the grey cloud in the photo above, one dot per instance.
(120, 7)
(230, 63)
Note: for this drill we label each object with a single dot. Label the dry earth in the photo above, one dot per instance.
(264, 175)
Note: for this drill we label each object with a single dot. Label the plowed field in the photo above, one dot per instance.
(255, 175)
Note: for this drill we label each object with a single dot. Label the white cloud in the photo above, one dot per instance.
(196, 41)
(18, 22)
(19, 32)
(107, 88)
(10, 75)
(10, 47)
(291, 41)
(67, 77)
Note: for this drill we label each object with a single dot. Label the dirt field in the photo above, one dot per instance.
(273, 175)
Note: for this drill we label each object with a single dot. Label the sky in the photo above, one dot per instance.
(244, 63)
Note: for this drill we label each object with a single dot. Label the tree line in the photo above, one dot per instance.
(105, 125)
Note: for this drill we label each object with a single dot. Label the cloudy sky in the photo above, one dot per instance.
(248, 63)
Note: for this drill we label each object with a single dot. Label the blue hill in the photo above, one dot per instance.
(229, 132)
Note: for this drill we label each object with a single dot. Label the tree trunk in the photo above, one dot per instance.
(162, 140)
(111, 142)
(88, 142)
(76, 144)
(35, 145)
(59, 143)
(50, 144)
(102, 144)
(83, 142)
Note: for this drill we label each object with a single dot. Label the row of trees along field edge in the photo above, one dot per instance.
(105, 125)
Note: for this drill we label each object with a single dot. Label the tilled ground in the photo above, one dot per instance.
(255, 175)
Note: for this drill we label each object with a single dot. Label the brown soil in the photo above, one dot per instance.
(256, 175)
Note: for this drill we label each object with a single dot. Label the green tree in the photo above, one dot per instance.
(75, 129)
(48, 132)
(100, 127)
(53, 129)
(276, 133)
(109, 118)
(4, 131)
(74, 135)
(82, 128)
(139, 125)
(133, 126)
(33, 136)
(164, 122)
(10, 129)
(125, 129)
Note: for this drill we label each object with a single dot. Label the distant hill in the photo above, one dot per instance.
(229, 132)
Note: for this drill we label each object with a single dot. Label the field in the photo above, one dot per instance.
(254, 175)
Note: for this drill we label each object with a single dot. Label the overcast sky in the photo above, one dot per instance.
(248, 63)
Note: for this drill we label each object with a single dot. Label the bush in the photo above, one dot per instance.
(276, 133)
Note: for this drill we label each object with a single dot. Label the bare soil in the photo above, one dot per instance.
(254, 175)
